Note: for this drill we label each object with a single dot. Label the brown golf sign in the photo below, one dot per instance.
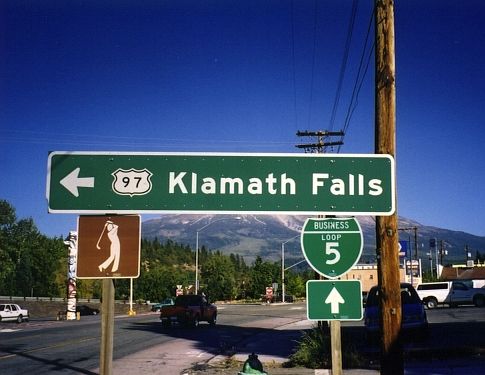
(108, 247)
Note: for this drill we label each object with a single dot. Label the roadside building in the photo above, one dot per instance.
(464, 272)
(367, 274)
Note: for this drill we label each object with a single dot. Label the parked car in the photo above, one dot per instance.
(13, 312)
(189, 310)
(453, 293)
(166, 302)
(414, 320)
(86, 310)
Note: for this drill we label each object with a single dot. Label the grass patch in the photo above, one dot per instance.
(313, 351)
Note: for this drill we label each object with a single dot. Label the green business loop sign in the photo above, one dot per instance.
(100, 182)
(332, 246)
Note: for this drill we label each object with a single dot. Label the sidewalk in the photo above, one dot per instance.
(273, 363)
(276, 353)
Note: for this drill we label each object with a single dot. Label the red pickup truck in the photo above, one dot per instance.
(189, 310)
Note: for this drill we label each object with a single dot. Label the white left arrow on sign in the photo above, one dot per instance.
(72, 182)
(334, 299)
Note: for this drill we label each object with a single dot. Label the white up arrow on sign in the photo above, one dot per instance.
(72, 181)
(334, 299)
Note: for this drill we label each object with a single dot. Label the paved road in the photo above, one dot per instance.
(141, 345)
(72, 347)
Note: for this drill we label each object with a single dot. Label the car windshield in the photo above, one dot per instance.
(408, 296)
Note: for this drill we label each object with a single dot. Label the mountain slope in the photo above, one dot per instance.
(252, 235)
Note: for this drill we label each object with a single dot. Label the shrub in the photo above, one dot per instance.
(314, 351)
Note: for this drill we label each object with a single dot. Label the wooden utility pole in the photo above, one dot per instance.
(386, 226)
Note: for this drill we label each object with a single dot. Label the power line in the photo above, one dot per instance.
(359, 79)
(292, 30)
(314, 53)
(99, 140)
(343, 65)
(362, 71)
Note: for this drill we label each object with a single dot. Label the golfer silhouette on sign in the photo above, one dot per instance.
(111, 230)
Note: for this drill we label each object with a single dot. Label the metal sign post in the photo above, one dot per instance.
(332, 246)
(108, 248)
(107, 328)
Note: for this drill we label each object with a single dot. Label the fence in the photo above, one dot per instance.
(52, 299)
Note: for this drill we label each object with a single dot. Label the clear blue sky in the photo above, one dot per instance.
(240, 76)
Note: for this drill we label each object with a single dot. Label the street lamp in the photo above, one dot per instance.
(283, 266)
(415, 229)
(197, 248)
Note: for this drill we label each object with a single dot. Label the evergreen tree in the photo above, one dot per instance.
(295, 285)
(262, 274)
(218, 277)
(32, 263)
(7, 252)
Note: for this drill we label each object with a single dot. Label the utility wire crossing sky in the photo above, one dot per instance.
(243, 76)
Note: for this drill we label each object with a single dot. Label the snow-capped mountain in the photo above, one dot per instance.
(252, 235)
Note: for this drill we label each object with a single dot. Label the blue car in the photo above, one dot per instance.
(166, 302)
(414, 322)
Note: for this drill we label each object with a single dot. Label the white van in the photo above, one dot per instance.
(453, 293)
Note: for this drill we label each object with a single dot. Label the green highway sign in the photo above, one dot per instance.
(332, 246)
(108, 182)
(334, 300)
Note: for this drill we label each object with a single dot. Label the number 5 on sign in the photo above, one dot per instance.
(330, 249)
(341, 239)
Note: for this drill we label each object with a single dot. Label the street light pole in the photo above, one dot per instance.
(197, 261)
(415, 229)
(283, 272)
(283, 267)
(197, 248)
